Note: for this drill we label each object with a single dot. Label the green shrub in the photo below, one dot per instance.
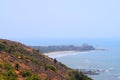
(2, 46)
(63, 65)
(14, 46)
(19, 55)
(53, 68)
(33, 77)
(2, 77)
(10, 73)
(33, 60)
(76, 75)
(6, 49)
(55, 61)
(7, 66)
(1, 65)
(26, 73)
(17, 66)
(11, 78)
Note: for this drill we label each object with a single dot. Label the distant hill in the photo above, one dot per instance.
(46, 49)
(20, 62)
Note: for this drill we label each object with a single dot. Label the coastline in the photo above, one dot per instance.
(60, 52)
(63, 53)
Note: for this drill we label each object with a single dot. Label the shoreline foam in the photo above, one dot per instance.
(59, 53)
(65, 53)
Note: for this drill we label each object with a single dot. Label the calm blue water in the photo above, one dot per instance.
(104, 60)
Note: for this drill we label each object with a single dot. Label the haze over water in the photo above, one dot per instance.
(107, 61)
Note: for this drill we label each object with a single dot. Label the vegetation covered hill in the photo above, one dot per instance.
(20, 62)
(46, 49)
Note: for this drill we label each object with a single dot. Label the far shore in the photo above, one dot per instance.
(70, 52)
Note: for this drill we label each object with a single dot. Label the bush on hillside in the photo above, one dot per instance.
(26, 73)
(33, 77)
(51, 67)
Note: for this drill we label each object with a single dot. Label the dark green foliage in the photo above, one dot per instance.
(10, 50)
(8, 75)
(51, 67)
(13, 48)
(2, 77)
(55, 60)
(11, 73)
(29, 75)
(63, 65)
(26, 73)
(1, 65)
(7, 72)
(11, 78)
(7, 66)
(33, 60)
(18, 55)
(37, 50)
(3, 47)
(33, 77)
(78, 76)
(9, 47)
(17, 66)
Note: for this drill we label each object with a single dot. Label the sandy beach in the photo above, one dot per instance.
(59, 53)
(64, 53)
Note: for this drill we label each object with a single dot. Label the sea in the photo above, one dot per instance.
(107, 62)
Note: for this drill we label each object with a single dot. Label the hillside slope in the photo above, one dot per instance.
(20, 62)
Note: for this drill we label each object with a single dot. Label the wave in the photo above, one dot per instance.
(63, 53)
(99, 70)
(118, 77)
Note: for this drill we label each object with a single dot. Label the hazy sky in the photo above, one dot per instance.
(41, 19)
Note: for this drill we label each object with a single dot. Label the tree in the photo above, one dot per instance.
(17, 66)
(55, 60)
